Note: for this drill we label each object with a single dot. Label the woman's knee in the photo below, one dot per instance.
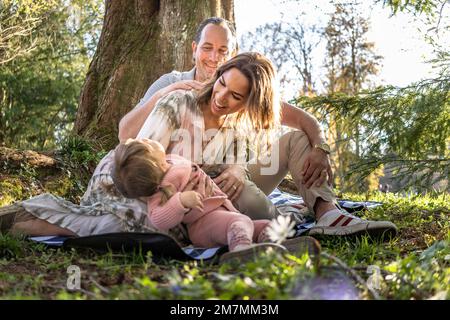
(296, 147)
(254, 203)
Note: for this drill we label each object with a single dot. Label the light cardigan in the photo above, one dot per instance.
(178, 124)
(172, 213)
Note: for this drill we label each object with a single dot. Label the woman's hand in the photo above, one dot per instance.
(192, 199)
(316, 169)
(201, 184)
(207, 185)
(231, 181)
(193, 184)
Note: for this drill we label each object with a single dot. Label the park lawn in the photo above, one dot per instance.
(414, 265)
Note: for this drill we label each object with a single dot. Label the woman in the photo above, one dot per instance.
(103, 210)
(241, 96)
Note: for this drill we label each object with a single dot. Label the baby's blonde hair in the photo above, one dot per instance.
(136, 172)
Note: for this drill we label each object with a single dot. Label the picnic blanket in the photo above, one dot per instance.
(164, 246)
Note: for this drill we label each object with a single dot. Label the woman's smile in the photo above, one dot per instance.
(217, 106)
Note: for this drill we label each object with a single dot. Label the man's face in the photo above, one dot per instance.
(214, 48)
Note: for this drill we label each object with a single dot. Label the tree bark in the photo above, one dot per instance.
(140, 41)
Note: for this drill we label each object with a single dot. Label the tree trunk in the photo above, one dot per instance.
(140, 41)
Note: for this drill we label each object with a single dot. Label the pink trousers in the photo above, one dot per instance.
(223, 227)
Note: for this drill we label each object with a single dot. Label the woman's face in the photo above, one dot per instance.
(230, 93)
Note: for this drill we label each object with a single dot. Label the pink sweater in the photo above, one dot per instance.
(172, 213)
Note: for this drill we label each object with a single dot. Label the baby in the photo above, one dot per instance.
(143, 170)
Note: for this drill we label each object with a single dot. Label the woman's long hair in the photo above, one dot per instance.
(136, 173)
(263, 107)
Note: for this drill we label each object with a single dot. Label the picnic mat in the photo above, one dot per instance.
(164, 246)
(161, 245)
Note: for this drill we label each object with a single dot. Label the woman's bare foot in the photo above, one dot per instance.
(321, 207)
(39, 227)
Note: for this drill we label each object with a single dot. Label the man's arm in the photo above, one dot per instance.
(317, 164)
(132, 122)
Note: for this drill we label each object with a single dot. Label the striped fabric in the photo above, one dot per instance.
(341, 221)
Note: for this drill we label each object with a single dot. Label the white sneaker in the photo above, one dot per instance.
(341, 223)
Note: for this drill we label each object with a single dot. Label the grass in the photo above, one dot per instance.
(414, 265)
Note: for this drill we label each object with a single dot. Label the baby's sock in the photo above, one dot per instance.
(239, 236)
(264, 236)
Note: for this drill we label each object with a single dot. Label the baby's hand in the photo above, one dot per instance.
(192, 199)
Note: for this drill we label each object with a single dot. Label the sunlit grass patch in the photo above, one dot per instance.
(413, 265)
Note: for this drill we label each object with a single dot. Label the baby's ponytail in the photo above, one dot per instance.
(167, 192)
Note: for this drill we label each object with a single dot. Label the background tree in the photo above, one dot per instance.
(45, 48)
(406, 130)
(290, 46)
(350, 63)
(140, 41)
(17, 25)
